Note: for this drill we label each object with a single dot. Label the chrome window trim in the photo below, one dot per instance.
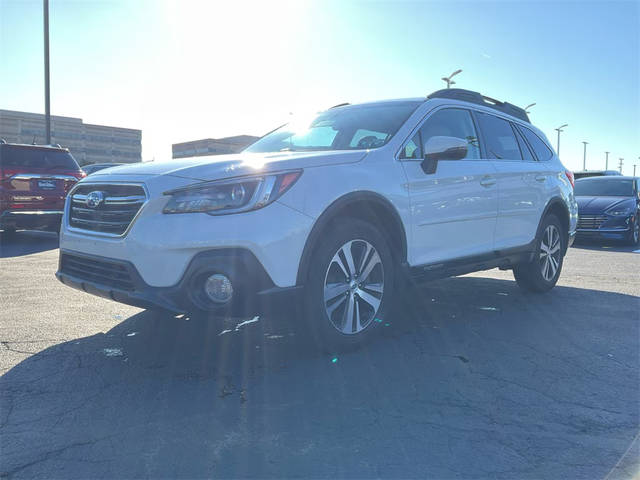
(82, 231)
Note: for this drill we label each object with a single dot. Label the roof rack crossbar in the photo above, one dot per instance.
(479, 99)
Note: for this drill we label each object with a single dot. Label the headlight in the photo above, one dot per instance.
(619, 211)
(231, 196)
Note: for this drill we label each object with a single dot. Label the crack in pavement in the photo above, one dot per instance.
(47, 455)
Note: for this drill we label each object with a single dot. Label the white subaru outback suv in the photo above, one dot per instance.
(336, 210)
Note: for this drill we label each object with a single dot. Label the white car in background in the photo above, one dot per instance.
(336, 211)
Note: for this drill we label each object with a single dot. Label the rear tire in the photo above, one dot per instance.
(350, 285)
(542, 272)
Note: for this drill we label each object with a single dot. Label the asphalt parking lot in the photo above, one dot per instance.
(473, 379)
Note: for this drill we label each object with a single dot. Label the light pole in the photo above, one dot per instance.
(606, 161)
(584, 156)
(621, 160)
(559, 129)
(47, 106)
(526, 109)
(634, 169)
(448, 79)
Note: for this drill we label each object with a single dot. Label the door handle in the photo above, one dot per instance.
(487, 181)
(541, 178)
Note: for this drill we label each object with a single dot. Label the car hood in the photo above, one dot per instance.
(223, 166)
(598, 205)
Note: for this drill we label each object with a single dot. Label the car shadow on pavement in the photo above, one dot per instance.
(604, 245)
(26, 243)
(471, 378)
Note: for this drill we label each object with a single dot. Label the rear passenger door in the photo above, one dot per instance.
(521, 178)
(453, 209)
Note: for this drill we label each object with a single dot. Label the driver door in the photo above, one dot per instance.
(454, 209)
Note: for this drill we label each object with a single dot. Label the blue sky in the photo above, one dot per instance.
(192, 69)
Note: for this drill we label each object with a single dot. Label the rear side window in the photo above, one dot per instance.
(11, 156)
(499, 138)
(542, 151)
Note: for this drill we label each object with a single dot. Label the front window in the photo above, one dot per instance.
(356, 127)
(604, 187)
(449, 122)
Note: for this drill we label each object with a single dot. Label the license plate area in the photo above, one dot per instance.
(47, 184)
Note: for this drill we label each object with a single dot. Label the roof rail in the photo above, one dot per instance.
(339, 105)
(479, 99)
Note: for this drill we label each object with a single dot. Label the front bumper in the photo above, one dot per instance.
(118, 280)
(31, 219)
(605, 227)
(604, 233)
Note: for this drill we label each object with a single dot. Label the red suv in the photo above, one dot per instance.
(34, 181)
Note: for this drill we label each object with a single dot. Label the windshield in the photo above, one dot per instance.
(12, 156)
(610, 187)
(344, 128)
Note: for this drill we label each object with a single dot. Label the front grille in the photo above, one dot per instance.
(590, 222)
(113, 214)
(101, 271)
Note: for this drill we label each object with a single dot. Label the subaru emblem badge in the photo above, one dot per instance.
(94, 199)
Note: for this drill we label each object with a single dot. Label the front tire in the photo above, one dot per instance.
(542, 272)
(634, 235)
(350, 285)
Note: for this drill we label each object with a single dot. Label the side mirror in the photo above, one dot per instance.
(442, 148)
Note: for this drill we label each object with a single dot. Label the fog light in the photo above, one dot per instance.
(218, 288)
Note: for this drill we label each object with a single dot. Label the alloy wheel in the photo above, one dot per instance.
(353, 286)
(550, 252)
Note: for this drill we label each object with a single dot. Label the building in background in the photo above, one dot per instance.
(87, 143)
(212, 146)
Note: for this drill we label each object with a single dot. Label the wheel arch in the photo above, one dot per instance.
(558, 207)
(365, 205)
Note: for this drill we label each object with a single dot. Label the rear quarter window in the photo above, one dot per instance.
(542, 151)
